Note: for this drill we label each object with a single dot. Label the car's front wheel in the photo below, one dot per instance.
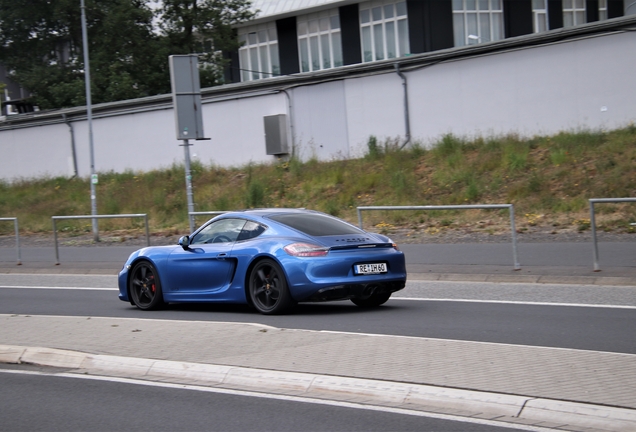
(268, 288)
(374, 300)
(145, 287)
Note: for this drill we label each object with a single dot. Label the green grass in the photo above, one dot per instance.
(552, 177)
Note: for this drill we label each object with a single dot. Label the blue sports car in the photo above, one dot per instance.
(270, 259)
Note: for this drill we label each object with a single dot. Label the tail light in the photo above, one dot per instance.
(305, 250)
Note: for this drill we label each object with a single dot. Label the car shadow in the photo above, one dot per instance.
(326, 308)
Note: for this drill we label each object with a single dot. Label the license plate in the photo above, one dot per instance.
(370, 268)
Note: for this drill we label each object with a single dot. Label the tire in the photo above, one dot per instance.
(268, 288)
(374, 300)
(145, 287)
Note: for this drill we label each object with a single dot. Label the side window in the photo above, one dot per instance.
(477, 21)
(251, 230)
(383, 30)
(319, 41)
(258, 54)
(220, 231)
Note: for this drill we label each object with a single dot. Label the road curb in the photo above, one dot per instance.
(468, 403)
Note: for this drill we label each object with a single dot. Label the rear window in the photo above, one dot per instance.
(316, 224)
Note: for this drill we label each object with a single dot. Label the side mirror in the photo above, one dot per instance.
(184, 242)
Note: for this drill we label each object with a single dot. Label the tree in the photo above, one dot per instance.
(205, 27)
(41, 44)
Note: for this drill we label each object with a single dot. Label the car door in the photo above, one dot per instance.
(206, 266)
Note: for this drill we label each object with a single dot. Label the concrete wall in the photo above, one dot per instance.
(587, 83)
(584, 84)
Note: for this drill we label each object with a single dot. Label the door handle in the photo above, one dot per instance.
(221, 255)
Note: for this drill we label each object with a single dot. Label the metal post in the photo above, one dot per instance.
(147, 233)
(89, 117)
(514, 237)
(360, 218)
(597, 267)
(57, 252)
(17, 240)
(188, 177)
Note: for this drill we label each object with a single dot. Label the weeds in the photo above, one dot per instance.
(549, 176)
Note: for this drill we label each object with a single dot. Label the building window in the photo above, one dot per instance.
(540, 15)
(477, 21)
(573, 12)
(319, 42)
(258, 53)
(384, 30)
(602, 10)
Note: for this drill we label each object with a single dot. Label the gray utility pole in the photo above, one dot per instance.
(186, 99)
(188, 178)
(89, 117)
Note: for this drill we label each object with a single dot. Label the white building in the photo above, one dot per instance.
(409, 78)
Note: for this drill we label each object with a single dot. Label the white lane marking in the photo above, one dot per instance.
(542, 285)
(287, 398)
(57, 288)
(514, 302)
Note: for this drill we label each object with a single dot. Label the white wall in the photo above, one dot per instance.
(582, 84)
(375, 107)
(320, 121)
(35, 152)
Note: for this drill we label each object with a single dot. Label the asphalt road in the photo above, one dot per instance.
(50, 403)
(597, 318)
(523, 314)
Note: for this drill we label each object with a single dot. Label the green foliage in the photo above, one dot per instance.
(448, 145)
(493, 170)
(374, 151)
(255, 195)
(41, 43)
(558, 156)
(472, 191)
(516, 161)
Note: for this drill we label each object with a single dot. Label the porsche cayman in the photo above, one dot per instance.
(271, 259)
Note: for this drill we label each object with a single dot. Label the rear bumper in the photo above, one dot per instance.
(348, 291)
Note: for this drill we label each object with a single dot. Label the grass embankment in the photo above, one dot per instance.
(548, 179)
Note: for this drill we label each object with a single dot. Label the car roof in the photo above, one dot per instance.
(271, 211)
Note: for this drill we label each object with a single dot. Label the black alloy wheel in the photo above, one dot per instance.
(145, 287)
(268, 288)
(374, 300)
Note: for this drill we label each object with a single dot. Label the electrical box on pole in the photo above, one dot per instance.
(186, 99)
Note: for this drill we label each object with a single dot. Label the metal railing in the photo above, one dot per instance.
(17, 236)
(593, 222)
(510, 207)
(120, 216)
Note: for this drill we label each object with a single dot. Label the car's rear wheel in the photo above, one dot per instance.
(374, 300)
(145, 287)
(268, 288)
